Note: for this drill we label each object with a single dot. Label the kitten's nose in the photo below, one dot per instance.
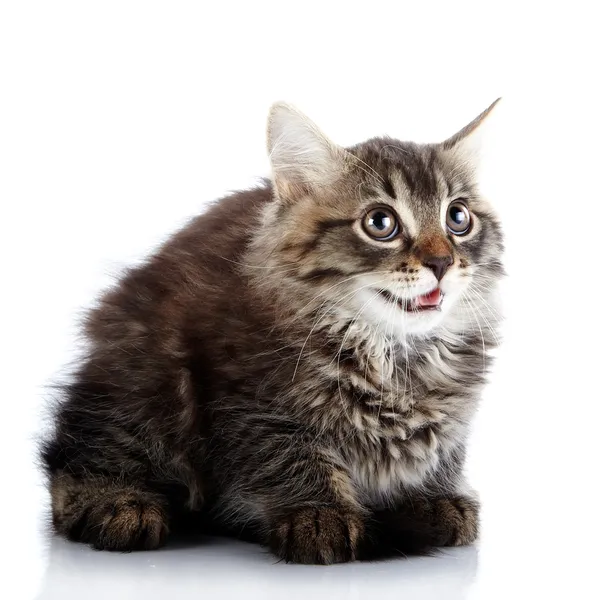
(438, 264)
(434, 251)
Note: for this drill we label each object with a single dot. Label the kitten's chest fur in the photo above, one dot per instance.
(404, 412)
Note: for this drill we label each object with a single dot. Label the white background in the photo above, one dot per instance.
(118, 120)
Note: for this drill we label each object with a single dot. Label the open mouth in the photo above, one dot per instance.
(430, 301)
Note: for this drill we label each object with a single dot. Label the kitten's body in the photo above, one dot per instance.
(232, 375)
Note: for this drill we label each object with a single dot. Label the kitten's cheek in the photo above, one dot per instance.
(451, 296)
(453, 286)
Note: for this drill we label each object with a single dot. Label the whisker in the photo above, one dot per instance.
(350, 294)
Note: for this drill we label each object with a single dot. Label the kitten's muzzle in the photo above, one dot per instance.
(435, 253)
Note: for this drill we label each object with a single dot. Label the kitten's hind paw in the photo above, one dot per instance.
(109, 518)
(130, 522)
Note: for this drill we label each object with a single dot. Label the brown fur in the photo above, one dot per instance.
(108, 514)
(239, 375)
(318, 536)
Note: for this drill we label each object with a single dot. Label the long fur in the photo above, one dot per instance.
(251, 374)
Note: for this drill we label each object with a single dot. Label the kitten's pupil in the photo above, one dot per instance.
(457, 215)
(380, 221)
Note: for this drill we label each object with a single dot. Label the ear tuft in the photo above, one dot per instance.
(302, 157)
(465, 146)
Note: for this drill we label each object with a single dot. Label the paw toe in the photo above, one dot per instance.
(460, 519)
(132, 524)
(317, 536)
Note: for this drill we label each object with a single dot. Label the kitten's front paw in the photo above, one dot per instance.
(320, 536)
(457, 520)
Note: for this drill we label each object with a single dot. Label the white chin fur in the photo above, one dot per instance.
(391, 320)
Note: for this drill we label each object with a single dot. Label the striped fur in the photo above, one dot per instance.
(252, 375)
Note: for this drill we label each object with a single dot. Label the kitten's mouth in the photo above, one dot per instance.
(430, 301)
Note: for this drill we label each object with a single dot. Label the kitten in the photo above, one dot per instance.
(298, 366)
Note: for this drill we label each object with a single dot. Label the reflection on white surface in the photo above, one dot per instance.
(230, 569)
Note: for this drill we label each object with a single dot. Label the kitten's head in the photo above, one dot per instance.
(392, 233)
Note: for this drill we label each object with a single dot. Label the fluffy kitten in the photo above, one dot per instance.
(298, 366)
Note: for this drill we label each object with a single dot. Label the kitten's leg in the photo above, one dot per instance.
(299, 503)
(109, 515)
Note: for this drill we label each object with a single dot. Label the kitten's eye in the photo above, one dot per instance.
(458, 218)
(381, 224)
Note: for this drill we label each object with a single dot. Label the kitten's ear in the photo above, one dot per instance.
(465, 146)
(302, 158)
